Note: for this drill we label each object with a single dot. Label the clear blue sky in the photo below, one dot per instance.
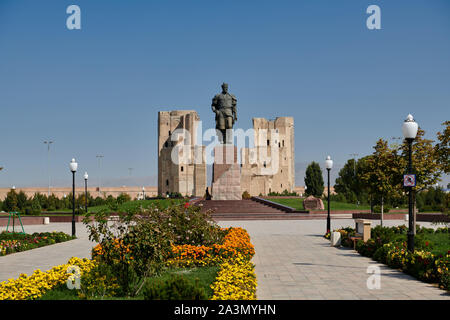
(98, 90)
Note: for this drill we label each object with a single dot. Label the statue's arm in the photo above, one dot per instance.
(214, 104)
(234, 103)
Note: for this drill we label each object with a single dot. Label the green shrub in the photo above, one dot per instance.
(100, 282)
(381, 253)
(444, 282)
(123, 197)
(377, 209)
(338, 197)
(175, 288)
(174, 195)
(190, 225)
(426, 209)
(246, 195)
(429, 262)
(368, 248)
(284, 193)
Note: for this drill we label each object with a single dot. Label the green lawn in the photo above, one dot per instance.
(297, 203)
(205, 276)
(440, 242)
(162, 203)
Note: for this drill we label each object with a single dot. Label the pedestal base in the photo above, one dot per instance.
(226, 184)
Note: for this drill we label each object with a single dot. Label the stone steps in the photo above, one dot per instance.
(245, 210)
(255, 210)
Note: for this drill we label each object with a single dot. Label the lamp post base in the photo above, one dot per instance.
(410, 241)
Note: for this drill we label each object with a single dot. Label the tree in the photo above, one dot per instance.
(346, 183)
(443, 147)
(35, 205)
(10, 203)
(314, 180)
(22, 200)
(425, 164)
(123, 197)
(382, 173)
(53, 203)
(349, 184)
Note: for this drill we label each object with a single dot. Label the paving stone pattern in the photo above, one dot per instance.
(44, 258)
(293, 261)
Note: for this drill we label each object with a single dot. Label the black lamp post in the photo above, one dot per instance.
(86, 176)
(328, 166)
(73, 167)
(409, 129)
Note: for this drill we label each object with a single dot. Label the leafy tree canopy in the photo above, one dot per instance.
(314, 180)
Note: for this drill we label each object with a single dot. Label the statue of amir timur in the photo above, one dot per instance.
(224, 106)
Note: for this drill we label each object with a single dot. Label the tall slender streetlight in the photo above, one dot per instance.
(99, 157)
(48, 143)
(86, 176)
(354, 163)
(409, 129)
(328, 165)
(129, 171)
(354, 170)
(397, 142)
(73, 167)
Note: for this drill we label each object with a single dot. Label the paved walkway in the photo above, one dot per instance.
(293, 261)
(44, 258)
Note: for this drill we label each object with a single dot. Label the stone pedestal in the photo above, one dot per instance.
(226, 182)
(363, 228)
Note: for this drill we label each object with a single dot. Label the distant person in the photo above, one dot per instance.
(208, 196)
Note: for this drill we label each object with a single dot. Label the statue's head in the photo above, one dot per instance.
(225, 87)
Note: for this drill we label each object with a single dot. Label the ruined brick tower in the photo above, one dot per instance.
(270, 165)
(188, 176)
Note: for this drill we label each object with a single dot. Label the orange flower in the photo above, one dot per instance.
(236, 241)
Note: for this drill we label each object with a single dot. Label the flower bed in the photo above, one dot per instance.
(429, 262)
(34, 286)
(141, 246)
(16, 242)
(236, 241)
(236, 279)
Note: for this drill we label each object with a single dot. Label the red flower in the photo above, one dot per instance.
(186, 205)
(426, 243)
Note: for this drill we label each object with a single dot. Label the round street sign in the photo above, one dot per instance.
(409, 180)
